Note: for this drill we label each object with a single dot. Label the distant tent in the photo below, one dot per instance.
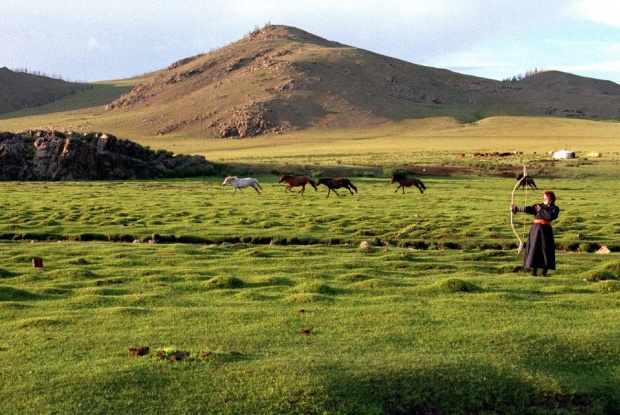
(564, 154)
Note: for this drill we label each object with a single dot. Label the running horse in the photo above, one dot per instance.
(238, 183)
(337, 183)
(404, 181)
(294, 181)
(526, 181)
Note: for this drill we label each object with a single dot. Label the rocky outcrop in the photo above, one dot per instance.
(51, 155)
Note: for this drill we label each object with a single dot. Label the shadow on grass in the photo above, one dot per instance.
(469, 389)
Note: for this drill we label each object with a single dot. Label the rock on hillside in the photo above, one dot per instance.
(282, 78)
(51, 156)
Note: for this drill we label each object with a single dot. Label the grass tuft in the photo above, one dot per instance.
(72, 274)
(455, 285)
(315, 288)
(224, 282)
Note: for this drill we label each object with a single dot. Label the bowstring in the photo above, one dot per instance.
(524, 203)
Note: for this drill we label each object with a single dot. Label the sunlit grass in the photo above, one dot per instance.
(279, 308)
(318, 328)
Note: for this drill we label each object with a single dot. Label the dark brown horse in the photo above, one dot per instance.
(294, 181)
(333, 184)
(526, 181)
(404, 181)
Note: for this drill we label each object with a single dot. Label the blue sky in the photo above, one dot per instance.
(91, 40)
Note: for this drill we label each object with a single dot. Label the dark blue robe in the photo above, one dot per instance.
(540, 247)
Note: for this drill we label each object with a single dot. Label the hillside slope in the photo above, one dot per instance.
(281, 79)
(20, 90)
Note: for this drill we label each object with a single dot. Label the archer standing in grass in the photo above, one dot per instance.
(540, 247)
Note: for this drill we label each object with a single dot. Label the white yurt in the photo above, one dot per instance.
(564, 154)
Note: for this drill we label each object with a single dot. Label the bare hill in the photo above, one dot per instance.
(20, 90)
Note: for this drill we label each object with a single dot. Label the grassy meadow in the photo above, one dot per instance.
(267, 304)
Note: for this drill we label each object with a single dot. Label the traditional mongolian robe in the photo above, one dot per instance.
(540, 247)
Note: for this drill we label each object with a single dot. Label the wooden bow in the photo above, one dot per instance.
(512, 202)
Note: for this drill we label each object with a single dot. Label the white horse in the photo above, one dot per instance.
(238, 183)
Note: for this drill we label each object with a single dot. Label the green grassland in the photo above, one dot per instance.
(280, 310)
(276, 304)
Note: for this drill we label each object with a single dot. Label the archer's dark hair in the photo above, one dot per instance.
(551, 196)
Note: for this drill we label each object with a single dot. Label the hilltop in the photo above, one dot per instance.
(281, 79)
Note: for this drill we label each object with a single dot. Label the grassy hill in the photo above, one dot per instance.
(20, 90)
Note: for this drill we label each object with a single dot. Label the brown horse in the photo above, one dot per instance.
(294, 181)
(407, 182)
(333, 184)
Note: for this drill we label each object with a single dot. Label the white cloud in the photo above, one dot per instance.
(601, 11)
(605, 66)
(93, 44)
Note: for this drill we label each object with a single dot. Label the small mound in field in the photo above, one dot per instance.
(371, 284)
(608, 286)
(219, 283)
(274, 281)
(15, 294)
(72, 274)
(353, 277)
(315, 288)
(606, 272)
(455, 285)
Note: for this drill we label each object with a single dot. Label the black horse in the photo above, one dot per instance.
(333, 184)
(527, 181)
(404, 181)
